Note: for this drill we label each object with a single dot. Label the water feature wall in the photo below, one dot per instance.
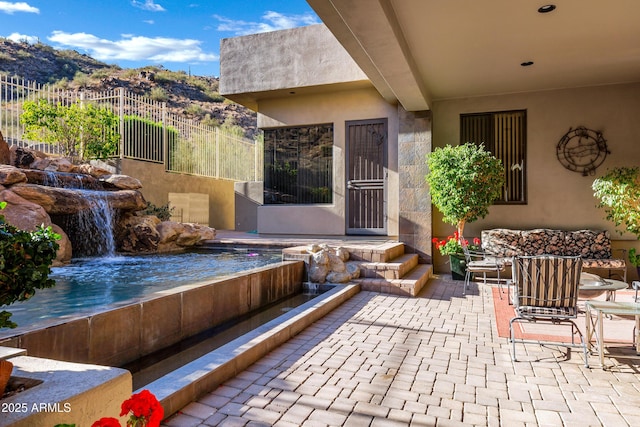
(124, 334)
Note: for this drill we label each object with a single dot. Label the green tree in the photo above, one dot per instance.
(80, 129)
(25, 260)
(619, 195)
(464, 181)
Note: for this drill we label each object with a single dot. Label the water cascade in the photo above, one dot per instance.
(95, 211)
(93, 227)
(91, 230)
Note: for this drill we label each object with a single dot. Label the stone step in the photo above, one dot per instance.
(394, 269)
(375, 253)
(409, 285)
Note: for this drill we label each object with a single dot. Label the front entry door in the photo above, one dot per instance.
(367, 176)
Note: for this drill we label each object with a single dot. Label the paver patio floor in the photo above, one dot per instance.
(434, 360)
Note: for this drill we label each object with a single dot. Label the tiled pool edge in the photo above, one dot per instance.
(195, 379)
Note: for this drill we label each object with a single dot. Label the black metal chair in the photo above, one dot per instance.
(545, 289)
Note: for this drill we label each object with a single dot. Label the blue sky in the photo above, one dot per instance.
(180, 35)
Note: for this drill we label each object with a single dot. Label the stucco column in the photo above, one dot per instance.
(414, 143)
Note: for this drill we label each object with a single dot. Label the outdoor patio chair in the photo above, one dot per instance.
(478, 262)
(545, 289)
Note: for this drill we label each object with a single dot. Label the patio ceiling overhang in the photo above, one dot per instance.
(419, 51)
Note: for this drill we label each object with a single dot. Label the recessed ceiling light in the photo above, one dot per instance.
(527, 63)
(547, 8)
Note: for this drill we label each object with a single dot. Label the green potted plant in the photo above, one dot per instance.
(464, 181)
(619, 194)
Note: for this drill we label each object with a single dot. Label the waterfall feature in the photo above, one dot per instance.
(94, 228)
(91, 230)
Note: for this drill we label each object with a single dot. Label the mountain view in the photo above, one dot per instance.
(192, 97)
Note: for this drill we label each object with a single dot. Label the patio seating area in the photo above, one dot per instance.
(436, 359)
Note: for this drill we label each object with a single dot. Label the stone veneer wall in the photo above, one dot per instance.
(124, 334)
(414, 143)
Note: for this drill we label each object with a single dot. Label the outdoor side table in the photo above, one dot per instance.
(595, 325)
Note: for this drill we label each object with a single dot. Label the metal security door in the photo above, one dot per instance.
(367, 176)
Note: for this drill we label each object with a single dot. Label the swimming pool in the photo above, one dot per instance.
(89, 285)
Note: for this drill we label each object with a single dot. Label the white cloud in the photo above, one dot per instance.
(149, 21)
(135, 48)
(148, 5)
(19, 38)
(10, 8)
(271, 21)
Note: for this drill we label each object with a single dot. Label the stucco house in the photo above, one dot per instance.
(351, 108)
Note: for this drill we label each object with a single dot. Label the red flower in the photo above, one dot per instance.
(476, 241)
(145, 408)
(435, 240)
(107, 422)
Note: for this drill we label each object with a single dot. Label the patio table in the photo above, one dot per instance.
(595, 325)
(592, 286)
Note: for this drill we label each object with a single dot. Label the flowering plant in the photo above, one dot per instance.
(452, 244)
(144, 410)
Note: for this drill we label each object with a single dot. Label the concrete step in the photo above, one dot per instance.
(394, 269)
(409, 285)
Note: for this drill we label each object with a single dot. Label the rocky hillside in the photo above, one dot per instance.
(193, 97)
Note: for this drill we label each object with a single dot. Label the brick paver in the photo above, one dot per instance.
(434, 360)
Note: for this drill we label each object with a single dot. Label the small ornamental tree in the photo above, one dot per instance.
(81, 129)
(619, 195)
(25, 260)
(464, 181)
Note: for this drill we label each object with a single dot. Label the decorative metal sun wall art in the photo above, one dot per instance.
(582, 150)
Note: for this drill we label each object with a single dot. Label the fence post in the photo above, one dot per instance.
(121, 121)
(165, 137)
(256, 158)
(216, 135)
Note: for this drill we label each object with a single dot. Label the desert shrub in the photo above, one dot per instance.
(214, 96)
(194, 109)
(163, 212)
(23, 54)
(158, 94)
(81, 79)
(209, 121)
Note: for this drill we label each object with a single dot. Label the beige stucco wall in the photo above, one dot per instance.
(304, 59)
(157, 184)
(337, 108)
(557, 197)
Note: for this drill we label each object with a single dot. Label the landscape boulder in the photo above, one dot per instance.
(10, 175)
(5, 153)
(138, 234)
(328, 264)
(122, 182)
(22, 213)
(175, 236)
(66, 201)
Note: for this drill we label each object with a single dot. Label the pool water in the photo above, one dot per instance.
(93, 284)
